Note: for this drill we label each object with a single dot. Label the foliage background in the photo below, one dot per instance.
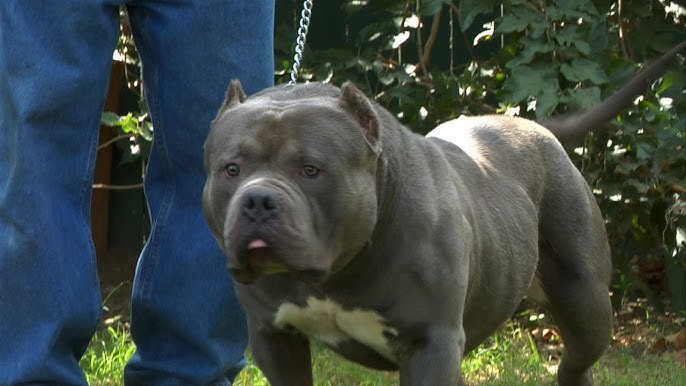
(430, 61)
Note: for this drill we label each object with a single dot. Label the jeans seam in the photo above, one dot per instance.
(84, 210)
(168, 183)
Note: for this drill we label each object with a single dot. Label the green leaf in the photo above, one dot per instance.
(574, 9)
(630, 165)
(431, 7)
(583, 98)
(539, 82)
(554, 13)
(644, 150)
(109, 118)
(583, 69)
(531, 48)
(546, 102)
(129, 124)
(470, 9)
(583, 47)
(640, 187)
(567, 35)
(672, 84)
(146, 130)
(511, 23)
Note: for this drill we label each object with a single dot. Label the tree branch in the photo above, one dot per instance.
(425, 51)
(113, 140)
(118, 187)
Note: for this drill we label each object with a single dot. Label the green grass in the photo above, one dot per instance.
(510, 357)
(104, 361)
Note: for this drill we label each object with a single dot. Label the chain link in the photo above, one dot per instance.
(305, 16)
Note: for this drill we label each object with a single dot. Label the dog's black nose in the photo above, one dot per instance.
(259, 205)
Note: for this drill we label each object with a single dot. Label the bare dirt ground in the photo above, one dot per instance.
(116, 270)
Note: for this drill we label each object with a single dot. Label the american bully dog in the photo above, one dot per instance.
(395, 250)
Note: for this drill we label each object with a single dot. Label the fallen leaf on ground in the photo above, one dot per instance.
(659, 346)
(678, 340)
(681, 357)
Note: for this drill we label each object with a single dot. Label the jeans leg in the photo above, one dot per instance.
(55, 59)
(186, 322)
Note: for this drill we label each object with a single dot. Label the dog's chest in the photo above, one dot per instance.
(328, 322)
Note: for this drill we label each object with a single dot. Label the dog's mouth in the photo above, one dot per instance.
(259, 258)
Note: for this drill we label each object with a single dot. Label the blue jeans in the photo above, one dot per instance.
(55, 59)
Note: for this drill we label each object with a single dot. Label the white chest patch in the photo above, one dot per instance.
(328, 322)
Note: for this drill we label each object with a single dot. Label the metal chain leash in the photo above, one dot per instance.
(305, 16)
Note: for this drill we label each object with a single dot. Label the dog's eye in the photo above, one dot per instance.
(232, 170)
(310, 171)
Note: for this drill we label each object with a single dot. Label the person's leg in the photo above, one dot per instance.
(55, 59)
(186, 322)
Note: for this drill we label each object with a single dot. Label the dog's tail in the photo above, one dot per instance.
(572, 126)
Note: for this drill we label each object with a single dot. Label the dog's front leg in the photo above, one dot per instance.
(283, 357)
(437, 359)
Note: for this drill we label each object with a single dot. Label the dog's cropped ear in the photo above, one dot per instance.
(356, 103)
(234, 95)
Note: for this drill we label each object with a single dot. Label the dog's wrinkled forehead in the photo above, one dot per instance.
(270, 125)
(271, 121)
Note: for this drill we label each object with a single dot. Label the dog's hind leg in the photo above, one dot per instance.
(581, 308)
(574, 272)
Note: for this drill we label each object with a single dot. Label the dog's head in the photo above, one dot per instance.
(291, 179)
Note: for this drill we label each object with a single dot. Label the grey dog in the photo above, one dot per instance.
(400, 251)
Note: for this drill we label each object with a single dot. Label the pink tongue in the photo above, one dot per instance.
(259, 243)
